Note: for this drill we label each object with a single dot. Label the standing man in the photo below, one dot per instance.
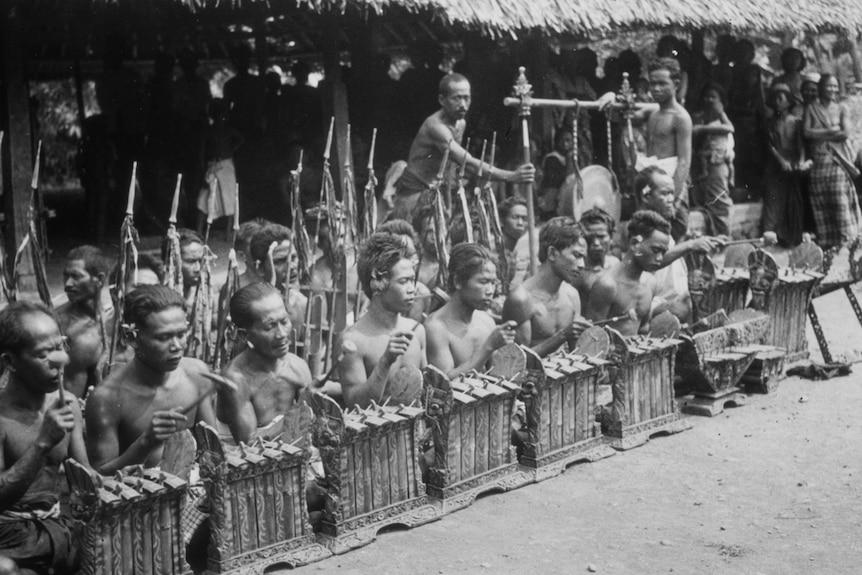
(142, 403)
(81, 319)
(442, 130)
(269, 378)
(38, 431)
(462, 335)
(383, 351)
(546, 307)
(598, 228)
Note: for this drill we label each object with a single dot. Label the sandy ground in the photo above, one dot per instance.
(772, 487)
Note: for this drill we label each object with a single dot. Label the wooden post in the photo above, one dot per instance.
(15, 119)
(336, 95)
(854, 54)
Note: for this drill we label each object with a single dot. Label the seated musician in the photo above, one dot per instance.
(546, 307)
(462, 335)
(625, 286)
(38, 431)
(323, 271)
(192, 256)
(268, 377)
(403, 230)
(384, 340)
(655, 191)
(81, 319)
(598, 228)
(142, 403)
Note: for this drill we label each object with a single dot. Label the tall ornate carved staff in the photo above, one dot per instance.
(524, 92)
(173, 258)
(128, 250)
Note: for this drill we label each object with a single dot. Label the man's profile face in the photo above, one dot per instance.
(649, 252)
(399, 294)
(161, 340)
(270, 333)
(478, 291)
(569, 262)
(515, 222)
(662, 86)
(456, 102)
(78, 284)
(192, 255)
(660, 197)
(598, 242)
(42, 358)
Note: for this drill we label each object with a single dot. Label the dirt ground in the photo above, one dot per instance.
(772, 487)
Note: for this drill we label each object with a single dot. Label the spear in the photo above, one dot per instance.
(370, 195)
(348, 192)
(462, 196)
(128, 247)
(497, 228)
(173, 263)
(485, 236)
(38, 236)
(327, 182)
(304, 250)
(224, 340)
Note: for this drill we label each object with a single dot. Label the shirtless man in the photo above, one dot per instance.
(37, 432)
(83, 278)
(598, 227)
(655, 191)
(383, 341)
(546, 307)
(269, 378)
(140, 405)
(669, 127)
(404, 231)
(192, 255)
(513, 223)
(624, 286)
(443, 130)
(462, 335)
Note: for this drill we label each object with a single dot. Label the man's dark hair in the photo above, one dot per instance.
(380, 254)
(645, 222)
(598, 216)
(465, 261)
(643, 180)
(505, 207)
(400, 229)
(13, 337)
(146, 300)
(241, 302)
(94, 260)
(263, 238)
(669, 64)
(448, 80)
(146, 261)
(713, 86)
(559, 233)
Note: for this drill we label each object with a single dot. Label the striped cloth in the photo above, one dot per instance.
(834, 202)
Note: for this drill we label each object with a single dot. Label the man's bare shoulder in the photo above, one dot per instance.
(605, 282)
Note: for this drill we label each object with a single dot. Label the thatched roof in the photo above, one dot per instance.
(583, 16)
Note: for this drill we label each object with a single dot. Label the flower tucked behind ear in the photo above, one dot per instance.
(129, 331)
(379, 281)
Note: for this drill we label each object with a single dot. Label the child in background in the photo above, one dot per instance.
(714, 147)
